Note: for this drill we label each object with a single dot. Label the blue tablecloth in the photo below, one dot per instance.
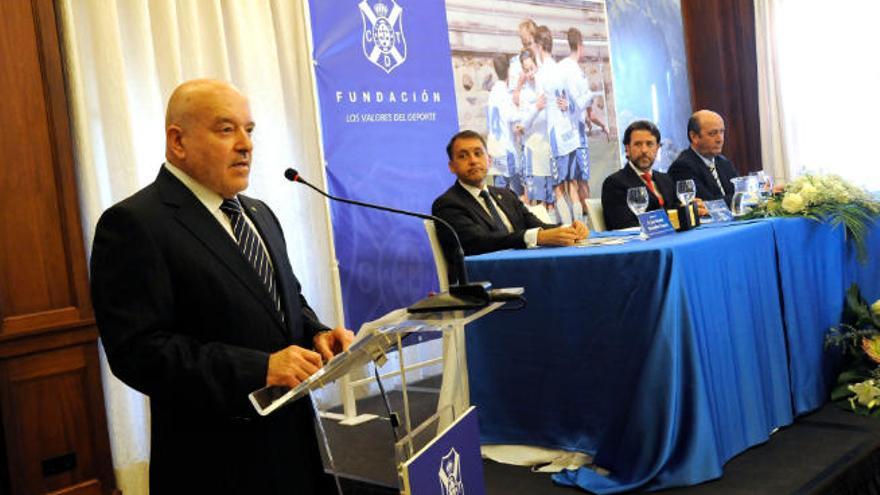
(816, 266)
(867, 273)
(663, 358)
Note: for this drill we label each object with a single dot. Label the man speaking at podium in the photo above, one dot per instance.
(488, 218)
(198, 306)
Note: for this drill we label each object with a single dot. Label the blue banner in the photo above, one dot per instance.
(387, 103)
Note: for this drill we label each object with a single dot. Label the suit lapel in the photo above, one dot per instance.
(636, 181)
(666, 187)
(632, 178)
(274, 245)
(725, 173)
(195, 218)
(704, 171)
(474, 206)
(509, 209)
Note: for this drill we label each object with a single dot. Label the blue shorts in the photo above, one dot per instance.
(582, 164)
(562, 168)
(514, 183)
(541, 189)
(513, 180)
(573, 166)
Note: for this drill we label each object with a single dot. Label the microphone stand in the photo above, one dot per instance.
(462, 295)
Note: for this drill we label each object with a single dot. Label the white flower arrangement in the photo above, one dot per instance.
(825, 198)
(866, 394)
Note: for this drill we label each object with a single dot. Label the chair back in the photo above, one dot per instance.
(439, 259)
(595, 214)
(540, 211)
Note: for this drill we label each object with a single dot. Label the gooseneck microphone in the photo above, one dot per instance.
(462, 295)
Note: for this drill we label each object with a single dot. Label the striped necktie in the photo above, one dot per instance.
(252, 248)
(714, 171)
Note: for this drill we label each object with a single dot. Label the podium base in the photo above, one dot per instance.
(349, 421)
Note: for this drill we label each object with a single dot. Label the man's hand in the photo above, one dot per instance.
(581, 229)
(333, 342)
(291, 366)
(701, 208)
(559, 236)
(562, 103)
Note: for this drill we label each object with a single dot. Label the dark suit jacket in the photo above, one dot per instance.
(475, 227)
(689, 165)
(185, 320)
(614, 208)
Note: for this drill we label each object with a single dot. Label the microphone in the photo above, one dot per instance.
(462, 295)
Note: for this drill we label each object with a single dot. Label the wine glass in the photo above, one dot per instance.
(637, 199)
(686, 191)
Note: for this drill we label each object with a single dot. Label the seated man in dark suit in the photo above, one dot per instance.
(641, 140)
(703, 161)
(488, 218)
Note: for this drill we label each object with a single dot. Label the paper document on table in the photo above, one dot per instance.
(603, 241)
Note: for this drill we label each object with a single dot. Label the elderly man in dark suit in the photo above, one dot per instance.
(641, 140)
(488, 218)
(197, 306)
(703, 161)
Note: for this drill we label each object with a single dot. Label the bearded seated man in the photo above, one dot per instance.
(641, 140)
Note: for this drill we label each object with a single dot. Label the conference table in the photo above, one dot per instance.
(663, 358)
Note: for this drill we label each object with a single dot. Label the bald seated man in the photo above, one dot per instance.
(703, 161)
(197, 306)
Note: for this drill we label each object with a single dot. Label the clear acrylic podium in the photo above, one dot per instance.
(374, 452)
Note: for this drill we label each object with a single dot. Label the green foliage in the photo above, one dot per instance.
(826, 198)
(858, 323)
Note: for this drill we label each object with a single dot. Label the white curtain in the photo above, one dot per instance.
(123, 58)
(817, 83)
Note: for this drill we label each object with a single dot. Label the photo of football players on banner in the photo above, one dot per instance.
(536, 80)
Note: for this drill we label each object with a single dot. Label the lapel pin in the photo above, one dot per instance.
(254, 208)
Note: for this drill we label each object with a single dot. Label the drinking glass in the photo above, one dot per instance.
(765, 183)
(739, 204)
(637, 199)
(686, 191)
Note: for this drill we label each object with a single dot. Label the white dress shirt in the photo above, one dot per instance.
(212, 201)
(530, 237)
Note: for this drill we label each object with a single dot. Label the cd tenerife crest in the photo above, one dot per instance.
(450, 474)
(383, 41)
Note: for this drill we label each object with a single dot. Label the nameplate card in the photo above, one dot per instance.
(719, 211)
(655, 224)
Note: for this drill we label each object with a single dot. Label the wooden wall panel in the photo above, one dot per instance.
(49, 406)
(720, 43)
(54, 428)
(41, 255)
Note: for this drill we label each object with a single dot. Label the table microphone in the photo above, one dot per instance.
(462, 295)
